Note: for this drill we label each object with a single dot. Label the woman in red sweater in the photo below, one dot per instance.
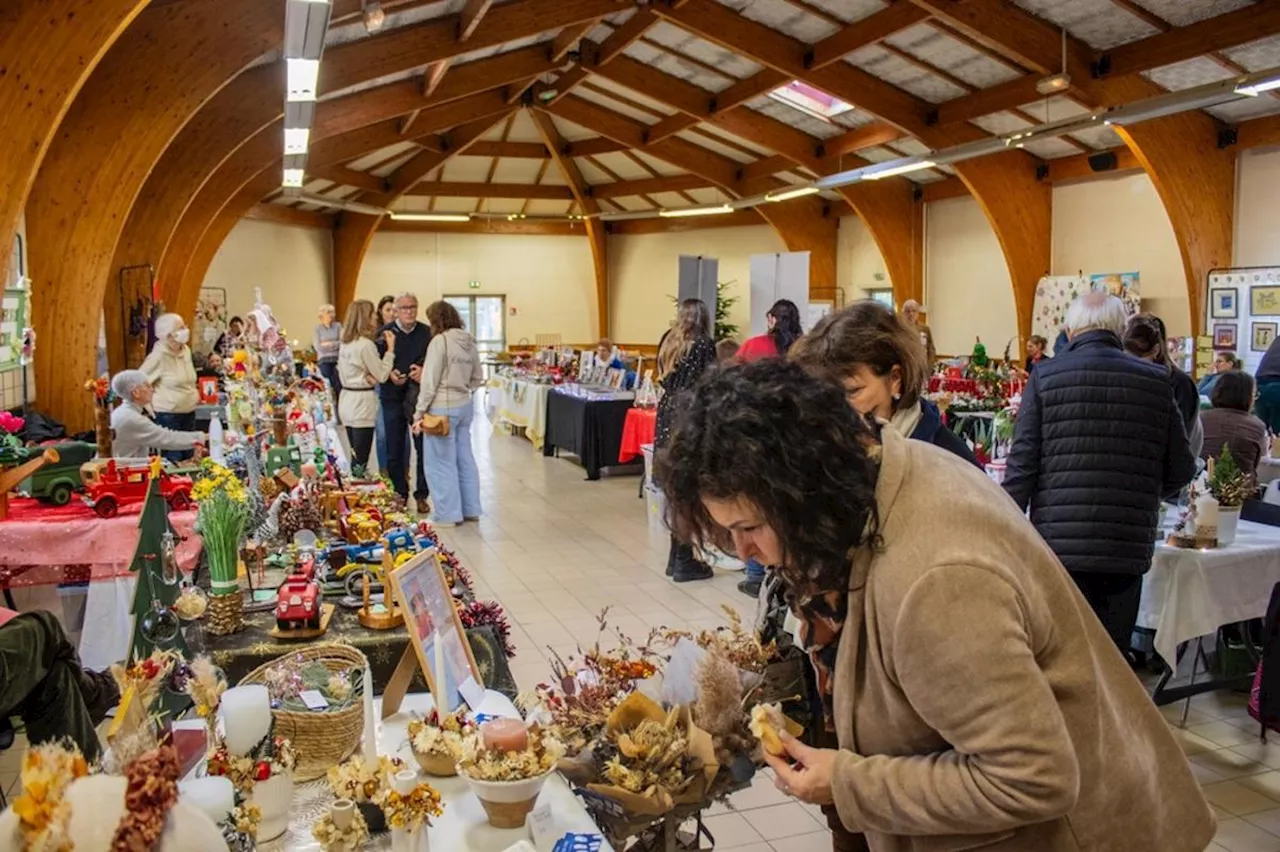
(784, 329)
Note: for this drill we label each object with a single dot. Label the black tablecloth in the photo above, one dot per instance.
(241, 653)
(591, 429)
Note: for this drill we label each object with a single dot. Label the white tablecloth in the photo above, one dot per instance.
(520, 404)
(1190, 593)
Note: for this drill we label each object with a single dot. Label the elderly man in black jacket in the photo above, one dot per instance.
(1098, 442)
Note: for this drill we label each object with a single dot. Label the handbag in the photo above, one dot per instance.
(1264, 696)
(437, 424)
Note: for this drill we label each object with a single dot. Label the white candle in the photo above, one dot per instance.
(441, 700)
(214, 795)
(246, 717)
(1207, 516)
(370, 727)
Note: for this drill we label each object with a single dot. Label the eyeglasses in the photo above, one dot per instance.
(411, 308)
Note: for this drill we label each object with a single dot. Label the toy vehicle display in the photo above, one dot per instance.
(55, 482)
(111, 483)
(298, 600)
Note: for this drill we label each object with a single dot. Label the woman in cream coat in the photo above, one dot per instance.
(173, 375)
(976, 701)
(361, 370)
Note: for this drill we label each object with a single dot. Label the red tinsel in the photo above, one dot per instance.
(480, 613)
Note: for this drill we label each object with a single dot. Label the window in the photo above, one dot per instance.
(485, 319)
(884, 297)
(810, 101)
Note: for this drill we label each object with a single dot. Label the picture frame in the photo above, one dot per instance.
(1264, 300)
(1261, 335)
(1224, 336)
(1224, 303)
(435, 631)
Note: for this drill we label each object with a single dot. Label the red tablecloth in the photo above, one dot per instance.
(636, 432)
(42, 544)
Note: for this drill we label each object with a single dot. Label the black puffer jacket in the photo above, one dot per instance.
(1098, 442)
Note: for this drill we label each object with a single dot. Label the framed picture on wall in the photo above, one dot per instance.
(1223, 304)
(1264, 301)
(1263, 334)
(1224, 336)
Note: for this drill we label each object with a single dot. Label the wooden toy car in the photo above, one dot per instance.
(298, 602)
(54, 483)
(110, 484)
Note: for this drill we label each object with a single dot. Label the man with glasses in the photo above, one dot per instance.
(399, 395)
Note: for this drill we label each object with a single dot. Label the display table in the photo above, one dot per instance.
(588, 423)
(1191, 593)
(518, 404)
(240, 653)
(49, 545)
(637, 431)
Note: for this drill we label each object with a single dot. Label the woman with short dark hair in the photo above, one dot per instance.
(880, 362)
(1230, 423)
(976, 700)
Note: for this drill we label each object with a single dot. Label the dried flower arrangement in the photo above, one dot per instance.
(289, 677)
(434, 735)
(360, 783)
(740, 647)
(412, 810)
(482, 763)
(41, 808)
(205, 686)
(271, 756)
(719, 708)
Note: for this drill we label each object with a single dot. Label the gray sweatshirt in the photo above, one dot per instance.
(450, 373)
(327, 342)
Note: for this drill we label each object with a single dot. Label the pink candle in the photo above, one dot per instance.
(505, 735)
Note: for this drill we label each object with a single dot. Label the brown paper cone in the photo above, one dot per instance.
(437, 765)
(508, 814)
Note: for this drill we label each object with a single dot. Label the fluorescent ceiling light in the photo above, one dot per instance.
(1053, 84)
(292, 177)
(788, 194)
(302, 76)
(431, 217)
(295, 139)
(902, 169)
(695, 211)
(305, 25)
(1255, 89)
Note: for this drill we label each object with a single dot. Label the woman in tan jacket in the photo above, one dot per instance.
(976, 700)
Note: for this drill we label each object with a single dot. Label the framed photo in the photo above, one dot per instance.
(1263, 333)
(1223, 304)
(435, 631)
(1264, 301)
(1224, 336)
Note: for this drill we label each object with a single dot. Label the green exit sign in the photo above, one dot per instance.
(474, 285)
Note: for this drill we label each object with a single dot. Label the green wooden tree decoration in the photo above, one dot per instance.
(153, 598)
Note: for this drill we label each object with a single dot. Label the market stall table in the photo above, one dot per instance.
(49, 545)
(587, 422)
(638, 430)
(1189, 593)
(518, 404)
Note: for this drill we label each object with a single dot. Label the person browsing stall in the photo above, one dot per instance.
(137, 434)
(1231, 423)
(361, 370)
(326, 339)
(784, 329)
(399, 395)
(172, 374)
(1223, 362)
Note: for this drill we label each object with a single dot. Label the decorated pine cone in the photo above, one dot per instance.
(299, 515)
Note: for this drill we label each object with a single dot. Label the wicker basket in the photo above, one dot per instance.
(320, 740)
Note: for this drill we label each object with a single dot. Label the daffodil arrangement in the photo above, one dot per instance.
(224, 509)
(42, 811)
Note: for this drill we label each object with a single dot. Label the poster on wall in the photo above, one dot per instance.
(1054, 294)
(1124, 285)
(13, 324)
(1251, 296)
(211, 319)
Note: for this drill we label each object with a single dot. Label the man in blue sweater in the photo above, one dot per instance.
(399, 395)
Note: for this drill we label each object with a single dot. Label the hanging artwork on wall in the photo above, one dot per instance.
(1224, 336)
(1124, 285)
(1223, 304)
(1264, 300)
(211, 318)
(1263, 333)
(1054, 294)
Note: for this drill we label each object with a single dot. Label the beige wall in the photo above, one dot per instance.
(859, 264)
(1258, 174)
(643, 275)
(547, 281)
(292, 265)
(1118, 224)
(966, 283)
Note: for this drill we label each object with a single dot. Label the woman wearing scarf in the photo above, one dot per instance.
(975, 699)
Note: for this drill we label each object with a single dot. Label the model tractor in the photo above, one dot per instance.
(54, 483)
(298, 600)
(110, 484)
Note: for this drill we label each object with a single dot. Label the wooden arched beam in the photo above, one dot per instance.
(48, 48)
(241, 109)
(173, 58)
(895, 219)
(350, 243)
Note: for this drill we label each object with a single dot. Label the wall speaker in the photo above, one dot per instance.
(1103, 162)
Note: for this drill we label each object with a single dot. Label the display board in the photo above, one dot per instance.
(782, 275)
(13, 328)
(697, 279)
(1242, 311)
(211, 319)
(1054, 294)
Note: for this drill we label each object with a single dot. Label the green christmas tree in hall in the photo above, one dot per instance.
(155, 624)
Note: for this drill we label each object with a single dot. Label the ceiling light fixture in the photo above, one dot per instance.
(788, 194)
(373, 16)
(1252, 90)
(431, 217)
(681, 212)
(301, 75)
(1060, 82)
(295, 139)
(292, 177)
(913, 165)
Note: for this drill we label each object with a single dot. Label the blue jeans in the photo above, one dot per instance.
(451, 468)
(755, 571)
(180, 422)
(397, 414)
(380, 443)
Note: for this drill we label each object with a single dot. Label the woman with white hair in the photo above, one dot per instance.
(327, 339)
(173, 376)
(911, 316)
(136, 433)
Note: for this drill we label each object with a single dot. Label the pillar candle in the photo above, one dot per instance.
(505, 734)
(246, 717)
(1207, 515)
(214, 795)
(370, 729)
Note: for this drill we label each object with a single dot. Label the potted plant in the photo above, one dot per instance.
(1229, 486)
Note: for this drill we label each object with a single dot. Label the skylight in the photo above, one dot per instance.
(810, 101)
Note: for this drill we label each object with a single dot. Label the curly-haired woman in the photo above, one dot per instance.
(976, 700)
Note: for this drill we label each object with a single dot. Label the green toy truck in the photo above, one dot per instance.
(54, 483)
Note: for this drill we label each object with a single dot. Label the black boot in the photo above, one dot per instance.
(688, 568)
(750, 588)
(671, 557)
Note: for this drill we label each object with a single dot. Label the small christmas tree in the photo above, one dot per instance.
(1228, 484)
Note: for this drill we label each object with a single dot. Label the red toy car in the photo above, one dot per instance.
(298, 602)
(109, 485)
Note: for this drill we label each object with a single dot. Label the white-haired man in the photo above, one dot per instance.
(399, 396)
(911, 316)
(1099, 440)
(135, 432)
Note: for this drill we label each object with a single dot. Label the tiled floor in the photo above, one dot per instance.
(555, 550)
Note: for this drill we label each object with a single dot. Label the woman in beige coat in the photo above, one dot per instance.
(360, 371)
(976, 700)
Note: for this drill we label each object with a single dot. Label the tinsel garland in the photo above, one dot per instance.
(481, 613)
(455, 571)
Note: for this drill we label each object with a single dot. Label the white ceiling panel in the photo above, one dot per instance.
(1182, 13)
(796, 118)
(1050, 149)
(1245, 109)
(910, 147)
(313, 186)
(622, 165)
(569, 131)
(1101, 137)
(502, 205)
(466, 169)
(715, 143)
(652, 104)
(853, 118)
(445, 204)
(784, 17)
(591, 173)
(944, 51)
(380, 155)
(1257, 55)
(516, 170)
(878, 154)
(662, 167)
(546, 207)
(618, 106)
(903, 74)
(710, 195)
(391, 165)
(1185, 75)
(1000, 123)
(678, 39)
(669, 199)
(715, 130)
(1099, 23)
(1053, 109)
(522, 129)
(677, 66)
